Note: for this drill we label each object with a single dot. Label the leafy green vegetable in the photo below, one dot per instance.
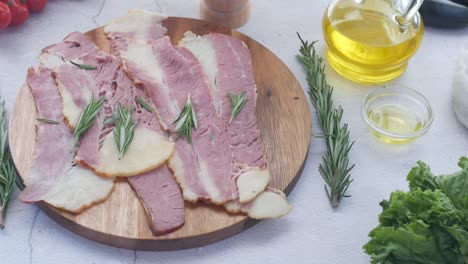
(428, 224)
(429, 206)
(455, 185)
(463, 163)
(397, 245)
(422, 177)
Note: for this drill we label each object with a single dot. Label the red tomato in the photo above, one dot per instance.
(5, 16)
(19, 12)
(36, 5)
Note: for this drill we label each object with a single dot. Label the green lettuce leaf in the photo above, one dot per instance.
(426, 225)
(463, 163)
(449, 244)
(418, 227)
(455, 186)
(433, 207)
(421, 177)
(409, 244)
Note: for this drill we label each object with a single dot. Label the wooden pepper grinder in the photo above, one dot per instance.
(230, 13)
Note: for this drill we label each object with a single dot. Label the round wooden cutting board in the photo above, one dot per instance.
(284, 119)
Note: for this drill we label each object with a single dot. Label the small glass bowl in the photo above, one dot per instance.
(397, 114)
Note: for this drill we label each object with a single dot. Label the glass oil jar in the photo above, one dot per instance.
(371, 41)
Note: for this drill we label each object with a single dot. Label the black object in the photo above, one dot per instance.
(461, 2)
(445, 13)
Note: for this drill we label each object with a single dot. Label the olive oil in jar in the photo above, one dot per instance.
(366, 43)
(396, 119)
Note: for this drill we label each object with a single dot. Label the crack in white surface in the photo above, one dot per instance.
(30, 236)
(161, 6)
(134, 257)
(99, 12)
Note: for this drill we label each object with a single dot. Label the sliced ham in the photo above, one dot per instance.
(73, 100)
(54, 178)
(149, 149)
(169, 75)
(156, 188)
(227, 64)
(161, 198)
(137, 24)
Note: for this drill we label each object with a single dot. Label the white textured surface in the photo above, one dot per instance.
(313, 232)
(460, 88)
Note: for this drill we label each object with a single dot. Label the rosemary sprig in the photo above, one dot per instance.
(124, 129)
(186, 121)
(335, 168)
(87, 117)
(144, 104)
(49, 121)
(84, 66)
(8, 175)
(238, 102)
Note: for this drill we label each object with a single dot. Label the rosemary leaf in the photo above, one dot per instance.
(8, 175)
(87, 117)
(124, 129)
(335, 168)
(238, 102)
(144, 104)
(186, 121)
(84, 66)
(193, 118)
(49, 121)
(109, 120)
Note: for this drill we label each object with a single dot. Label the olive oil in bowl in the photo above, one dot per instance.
(395, 119)
(397, 115)
(366, 43)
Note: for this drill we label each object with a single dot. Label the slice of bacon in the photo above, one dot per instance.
(228, 67)
(227, 63)
(170, 75)
(53, 177)
(98, 151)
(156, 188)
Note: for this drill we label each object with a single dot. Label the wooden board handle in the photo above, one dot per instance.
(230, 13)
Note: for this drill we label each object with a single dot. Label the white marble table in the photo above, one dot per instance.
(313, 232)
